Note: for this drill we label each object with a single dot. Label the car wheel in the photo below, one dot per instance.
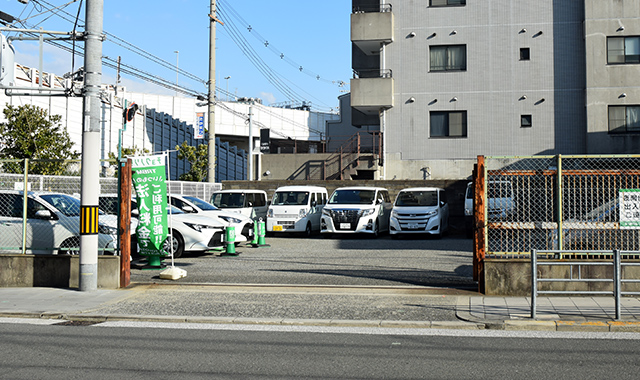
(376, 230)
(178, 245)
(72, 242)
(307, 230)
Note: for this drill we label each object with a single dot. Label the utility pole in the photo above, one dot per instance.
(90, 180)
(250, 141)
(212, 92)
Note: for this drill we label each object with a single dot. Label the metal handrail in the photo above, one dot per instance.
(617, 280)
(373, 73)
(372, 9)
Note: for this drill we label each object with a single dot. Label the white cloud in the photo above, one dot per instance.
(267, 97)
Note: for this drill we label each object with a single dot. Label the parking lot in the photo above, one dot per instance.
(344, 260)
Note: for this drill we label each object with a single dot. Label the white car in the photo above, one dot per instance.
(52, 224)
(357, 210)
(296, 209)
(195, 206)
(248, 202)
(420, 210)
(191, 232)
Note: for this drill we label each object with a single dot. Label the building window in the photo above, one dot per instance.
(624, 119)
(525, 121)
(525, 54)
(448, 58)
(622, 50)
(446, 3)
(448, 123)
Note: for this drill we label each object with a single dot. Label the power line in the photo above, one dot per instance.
(276, 51)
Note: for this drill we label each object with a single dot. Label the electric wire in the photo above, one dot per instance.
(273, 49)
(157, 80)
(250, 53)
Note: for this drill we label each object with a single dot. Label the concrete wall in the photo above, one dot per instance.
(56, 271)
(512, 277)
(495, 89)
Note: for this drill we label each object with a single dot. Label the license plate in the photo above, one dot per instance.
(277, 228)
(345, 226)
(412, 226)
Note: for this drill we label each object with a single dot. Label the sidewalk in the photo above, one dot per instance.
(337, 306)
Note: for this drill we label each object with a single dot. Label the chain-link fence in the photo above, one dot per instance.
(48, 220)
(570, 203)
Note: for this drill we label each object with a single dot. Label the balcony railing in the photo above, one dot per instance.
(372, 73)
(372, 9)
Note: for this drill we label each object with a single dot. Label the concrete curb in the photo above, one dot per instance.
(511, 325)
(462, 312)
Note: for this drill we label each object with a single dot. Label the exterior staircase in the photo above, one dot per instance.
(354, 160)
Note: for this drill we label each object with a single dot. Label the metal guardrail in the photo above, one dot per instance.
(617, 279)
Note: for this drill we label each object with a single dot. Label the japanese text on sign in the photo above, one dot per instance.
(630, 208)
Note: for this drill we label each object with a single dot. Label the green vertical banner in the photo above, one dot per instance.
(149, 180)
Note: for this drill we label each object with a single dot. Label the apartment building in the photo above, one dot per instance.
(448, 80)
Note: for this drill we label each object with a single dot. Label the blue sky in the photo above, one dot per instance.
(307, 56)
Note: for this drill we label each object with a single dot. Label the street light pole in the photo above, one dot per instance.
(227, 94)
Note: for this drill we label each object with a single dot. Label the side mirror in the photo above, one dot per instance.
(314, 203)
(188, 209)
(135, 213)
(250, 204)
(44, 214)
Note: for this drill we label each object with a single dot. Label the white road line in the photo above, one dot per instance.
(32, 321)
(376, 330)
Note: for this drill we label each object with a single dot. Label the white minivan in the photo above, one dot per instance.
(296, 209)
(251, 203)
(357, 209)
(420, 210)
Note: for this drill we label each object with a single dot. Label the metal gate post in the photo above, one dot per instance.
(559, 200)
(617, 280)
(534, 282)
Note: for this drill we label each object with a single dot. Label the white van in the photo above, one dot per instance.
(250, 203)
(500, 202)
(296, 209)
(420, 210)
(357, 210)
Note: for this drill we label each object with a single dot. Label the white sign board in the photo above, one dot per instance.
(630, 208)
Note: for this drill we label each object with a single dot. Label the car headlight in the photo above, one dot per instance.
(107, 230)
(198, 227)
(367, 212)
(468, 212)
(231, 220)
(302, 213)
(394, 214)
(270, 213)
(432, 213)
(326, 212)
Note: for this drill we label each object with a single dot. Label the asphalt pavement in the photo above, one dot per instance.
(340, 282)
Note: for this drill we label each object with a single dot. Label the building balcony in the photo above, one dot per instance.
(371, 28)
(371, 91)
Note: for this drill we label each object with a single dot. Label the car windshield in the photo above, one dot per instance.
(352, 196)
(417, 198)
(228, 200)
(66, 204)
(291, 198)
(202, 205)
